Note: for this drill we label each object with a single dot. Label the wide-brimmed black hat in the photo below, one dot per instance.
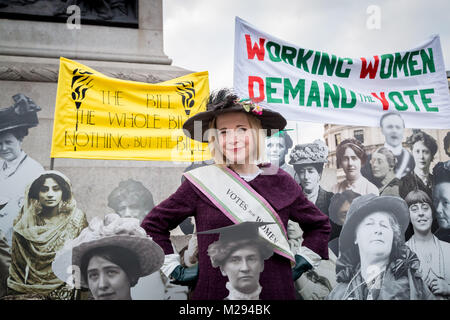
(23, 114)
(364, 205)
(224, 101)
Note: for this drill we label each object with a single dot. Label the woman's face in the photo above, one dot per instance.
(374, 235)
(107, 280)
(309, 177)
(10, 147)
(380, 165)
(421, 217)
(236, 138)
(243, 268)
(351, 164)
(422, 155)
(276, 150)
(50, 194)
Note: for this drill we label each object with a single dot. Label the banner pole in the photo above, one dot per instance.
(52, 163)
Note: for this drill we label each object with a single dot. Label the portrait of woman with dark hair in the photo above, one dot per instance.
(109, 257)
(131, 199)
(351, 156)
(423, 148)
(48, 219)
(308, 161)
(17, 169)
(434, 254)
(277, 147)
(383, 164)
(374, 263)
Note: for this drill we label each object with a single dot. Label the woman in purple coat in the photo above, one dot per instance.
(239, 188)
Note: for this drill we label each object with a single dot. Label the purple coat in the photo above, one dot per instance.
(283, 194)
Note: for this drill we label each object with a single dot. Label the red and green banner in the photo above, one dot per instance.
(310, 85)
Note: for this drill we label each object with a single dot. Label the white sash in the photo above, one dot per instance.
(240, 203)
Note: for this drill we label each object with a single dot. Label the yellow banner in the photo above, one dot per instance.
(98, 117)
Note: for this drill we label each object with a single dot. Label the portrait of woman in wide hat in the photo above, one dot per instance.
(109, 257)
(374, 263)
(17, 168)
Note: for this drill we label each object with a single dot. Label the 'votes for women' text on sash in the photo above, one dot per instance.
(240, 203)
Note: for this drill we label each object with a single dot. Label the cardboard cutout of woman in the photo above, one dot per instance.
(48, 219)
(17, 169)
(240, 255)
(308, 161)
(434, 254)
(351, 156)
(278, 146)
(383, 165)
(423, 148)
(109, 257)
(374, 263)
(131, 199)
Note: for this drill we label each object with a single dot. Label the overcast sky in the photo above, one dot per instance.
(199, 34)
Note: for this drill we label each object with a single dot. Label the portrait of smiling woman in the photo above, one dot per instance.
(434, 254)
(235, 130)
(374, 262)
(48, 219)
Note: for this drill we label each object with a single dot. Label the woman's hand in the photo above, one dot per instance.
(437, 284)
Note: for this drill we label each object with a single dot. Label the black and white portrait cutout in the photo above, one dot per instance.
(49, 218)
(383, 162)
(131, 199)
(109, 257)
(423, 148)
(17, 169)
(240, 255)
(308, 161)
(434, 254)
(350, 156)
(374, 263)
(393, 128)
(277, 148)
